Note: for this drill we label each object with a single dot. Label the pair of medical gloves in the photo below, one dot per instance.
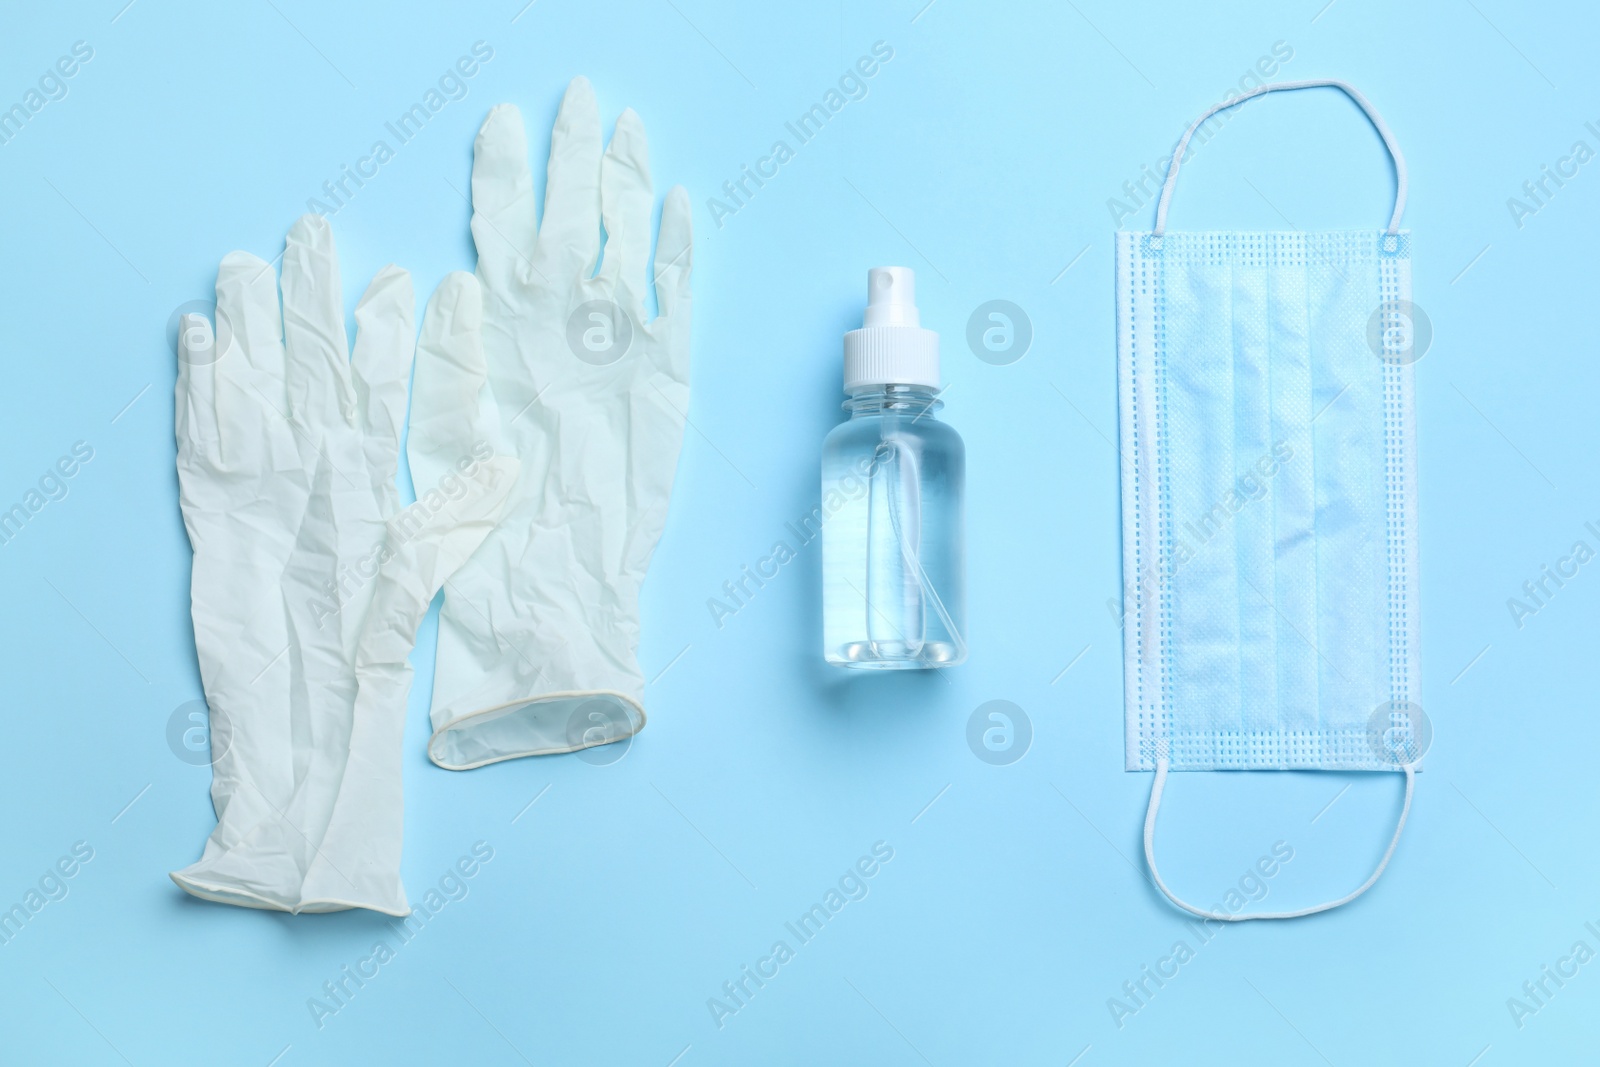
(546, 417)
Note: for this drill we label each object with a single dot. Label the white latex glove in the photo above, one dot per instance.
(305, 599)
(539, 633)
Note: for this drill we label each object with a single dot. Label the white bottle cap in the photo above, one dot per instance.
(891, 348)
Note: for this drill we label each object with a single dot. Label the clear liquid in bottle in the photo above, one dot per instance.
(893, 475)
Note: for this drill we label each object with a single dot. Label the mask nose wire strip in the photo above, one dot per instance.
(1150, 858)
(1315, 83)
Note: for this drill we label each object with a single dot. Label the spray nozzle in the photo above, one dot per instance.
(892, 297)
(891, 348)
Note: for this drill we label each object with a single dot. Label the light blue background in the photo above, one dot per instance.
(1016, 903)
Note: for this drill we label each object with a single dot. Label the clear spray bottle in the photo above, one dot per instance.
(893, 480)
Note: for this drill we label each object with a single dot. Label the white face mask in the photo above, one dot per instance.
(1269, 502)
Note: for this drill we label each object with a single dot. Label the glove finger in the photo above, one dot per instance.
(317, 352)
(674, 254)
(248, 313)
(446, 424)
(196, 396)
(625, 206)
(502, 198)
(569, 239)
(249, 372)
(380, 369)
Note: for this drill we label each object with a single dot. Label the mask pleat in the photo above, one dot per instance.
(1203, 567)
(1245, 500)
(1291, 500)
(1347, 435)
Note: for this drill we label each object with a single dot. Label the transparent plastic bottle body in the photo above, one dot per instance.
(893, 539)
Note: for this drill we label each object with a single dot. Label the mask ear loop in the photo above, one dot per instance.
(1150, 858)
(1316, 83)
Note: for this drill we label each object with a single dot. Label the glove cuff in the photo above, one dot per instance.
(545, 725)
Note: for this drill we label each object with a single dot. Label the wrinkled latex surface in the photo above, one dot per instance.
(309, 580)
(538, 635)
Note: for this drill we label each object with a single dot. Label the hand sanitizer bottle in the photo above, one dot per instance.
(893, 576)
